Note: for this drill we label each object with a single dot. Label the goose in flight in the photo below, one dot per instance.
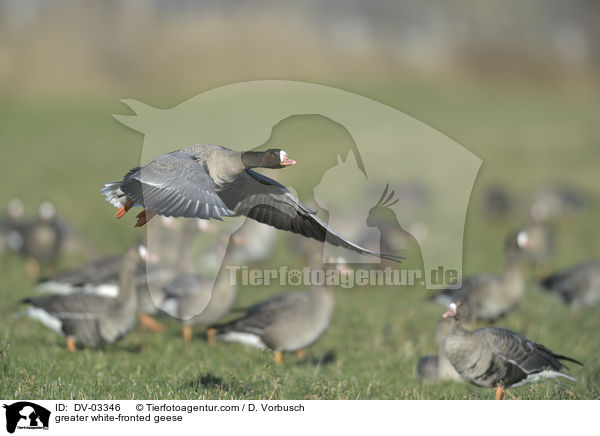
(211, 182)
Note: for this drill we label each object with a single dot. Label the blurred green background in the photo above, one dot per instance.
(517, 83)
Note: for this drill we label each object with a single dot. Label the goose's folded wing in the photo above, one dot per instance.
(77, 306)
(175, 184)
(92, 272)
(268, 202)
(261, 315)
(529, 356)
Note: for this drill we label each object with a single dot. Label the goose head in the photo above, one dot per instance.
(460, 311)
(273, 158)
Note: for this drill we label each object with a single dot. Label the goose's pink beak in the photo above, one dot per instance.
(450, 312)
(287, 162)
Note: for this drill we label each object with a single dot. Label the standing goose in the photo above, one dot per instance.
(437, 368)
(495, 357)
(493, 296)
(290, 321)
(578, 285)
(210, 181)
(89, 319)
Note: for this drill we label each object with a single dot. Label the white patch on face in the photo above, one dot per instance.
(47, 210)
(453, 307)
(282, 156)
(522, 239)
(143, 251)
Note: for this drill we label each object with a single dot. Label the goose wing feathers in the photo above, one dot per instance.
(175, 184)
(528, 356)
(268, 202)
(77, 306)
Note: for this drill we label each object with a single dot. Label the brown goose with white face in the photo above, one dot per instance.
(210, 181)
(89, 319)
(495, 357)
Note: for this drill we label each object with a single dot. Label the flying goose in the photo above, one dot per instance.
(89, 319)
(495, 357)
(290, 321)
(437, 368)
(578, 285)
(210, 181)
(493, 296)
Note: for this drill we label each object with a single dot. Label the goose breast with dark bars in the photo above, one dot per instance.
(211, 182)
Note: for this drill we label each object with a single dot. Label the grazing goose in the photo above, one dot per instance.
(89, 319)
(492, 297)
(578, 285)
(102, 276)
(495, 357)
(209, 181)
(437, 368)
(290, 321)
(43, 240)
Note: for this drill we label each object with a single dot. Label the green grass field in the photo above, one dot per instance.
(526, 135)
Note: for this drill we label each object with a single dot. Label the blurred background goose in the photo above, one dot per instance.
(497, 203)
(290, 321)
(43, 241)
(196, 302)
(496, 357)
(437, 368)
(493, 296)
(393, 237)
(13, 226)
(102, 277)
(540, 248)
(89, 319)
(577, 286)
(551, 202)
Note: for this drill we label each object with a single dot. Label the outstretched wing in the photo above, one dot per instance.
(268, 202)
(176, 184)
